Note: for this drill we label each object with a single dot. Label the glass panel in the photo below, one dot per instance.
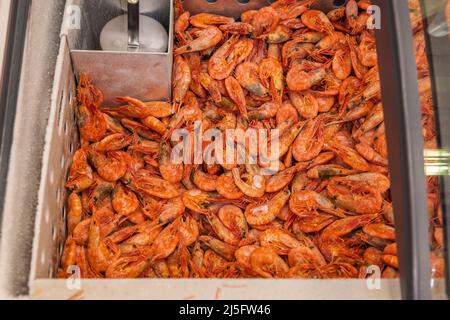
(431, 37)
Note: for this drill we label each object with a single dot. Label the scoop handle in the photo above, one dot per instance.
(133, 25)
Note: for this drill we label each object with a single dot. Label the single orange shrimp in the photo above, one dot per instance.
(371, 155)
(222, 231)
(380, 230)
(266, 111)
(178, 263)
(80, 175)
(351, 12)
(288, 137)
(243, 255)
(100, 190)
(367, 51)
(273, 50)
(266, 263)
(298, 48)
(196, 262)
(205, 20)
(305, 255)
(272, 77)
(229, 224)
(315, 222)
(302, 202)
(196, 200)
(144, 236)
(278, 240)
(166, 242)
(69, 257)
(181, 80)
(124, 201)
(333, 41)
(211, 86)
(286, 117)
(360, 199)
(195, 65)
(310, 141)
(122, 234)
(140, 130)
(348, 87)
(375, 180)
(299, 80)
(364, 4)
(239, 28)
(306, 104)
(291, 9)
(180, 27)
(322, 159)
(216, 266)
(318, 21)
(329, 170)
(168, 211)
(237, 95)
(140, 110)
(282, 179)
(342, 64)
(170, 171)
(391, 249)
(203, 181)
(81, 232)
(247, 74)
(251, 184)
(223, 249)
(264, 21)
(294, 24)
(281, 34)
(262, 214)
(227, 188)
(247, 16)
(233, 218)
(188, 231)
(114, 142)
(113, 125)
(336, 14)
(160, 269)
(144, 181)
(325, 104)
(373, 256)
(130, 266)
(359, 69)
(99, 253)
(91, 121)
(146, 147)
(110, 166)
(333, 246)
(373, 120)
(223, 62)
(350, 157)
(207, 38)
(74, 212)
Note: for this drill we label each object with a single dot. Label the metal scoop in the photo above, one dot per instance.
(234, 8)
(134, 32)
(133, 25)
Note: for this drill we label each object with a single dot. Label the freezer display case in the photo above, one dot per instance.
(356, 207)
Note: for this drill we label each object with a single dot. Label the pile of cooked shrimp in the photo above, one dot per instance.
(134, 212)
